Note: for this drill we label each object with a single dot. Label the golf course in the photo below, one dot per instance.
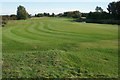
(54, 47)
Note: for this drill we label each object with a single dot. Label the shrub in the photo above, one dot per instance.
(80, 20)
(109, 21)
(4, 22)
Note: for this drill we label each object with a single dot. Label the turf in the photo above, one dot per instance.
(59, 48)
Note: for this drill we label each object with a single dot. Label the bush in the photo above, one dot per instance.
(98, 15)
(72, 14)
(4, 22)
(13, 17)
(109, 21)
(39, 15)
(7, 17)
(80, 20)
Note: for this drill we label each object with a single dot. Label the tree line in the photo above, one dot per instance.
(99, 16)
(110, 17)
(45, 14)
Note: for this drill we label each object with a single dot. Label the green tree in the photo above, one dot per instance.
(98, 15)
(53, 15)
(118, 9)
(112, 9)
(21, 13)
(76, 14)
(46, 14)
(72, 14)
(13, 17)
(69, 14)
(60, 15)
(98, 9)
(39, 15)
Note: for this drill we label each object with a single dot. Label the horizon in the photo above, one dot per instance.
(8, 8)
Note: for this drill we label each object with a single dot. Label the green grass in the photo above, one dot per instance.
(59, 48)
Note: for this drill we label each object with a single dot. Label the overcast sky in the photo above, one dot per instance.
(8, 7)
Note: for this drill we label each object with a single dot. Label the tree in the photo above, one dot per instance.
(84, 14)
(98, 15)
(76, 14)
(46, 14)
(118, 9)
(69, 14)
(60, 15)
(29, 15)
(73, 14)
(39, 15)
(114, 9)
(13, 17)
(98, 9)
(53, 15)
(21, 13)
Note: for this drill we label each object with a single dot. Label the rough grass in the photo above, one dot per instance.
(58, 48)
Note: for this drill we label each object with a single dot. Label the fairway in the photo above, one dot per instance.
(59, 48)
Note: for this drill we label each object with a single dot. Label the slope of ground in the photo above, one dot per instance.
(58, 47)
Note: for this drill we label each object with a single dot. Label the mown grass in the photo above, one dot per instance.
(59, 48)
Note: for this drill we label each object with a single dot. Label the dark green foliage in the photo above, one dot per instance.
(113, 17)
(98, 15)
(9, 17)
(114, 9)
(84, 14)
(5, 19)
(13, 17)
(101, 17)
(76, 14)
(29, 16)
(109, 21)
(39, 15)
(53, 15)
(80, 20)
(60, 15)
(4, 22)
(118, 9)
(65, 14)
(73, 14)
(42, 15)
(46, 14)
(98, 9)
(21, 13)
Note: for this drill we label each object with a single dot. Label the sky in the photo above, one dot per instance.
(8, 7)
